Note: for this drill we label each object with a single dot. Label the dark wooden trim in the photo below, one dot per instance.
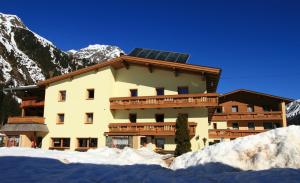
(232, 133)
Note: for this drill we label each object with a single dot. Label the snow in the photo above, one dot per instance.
(109, 156)
(279, 148)
(272, 156)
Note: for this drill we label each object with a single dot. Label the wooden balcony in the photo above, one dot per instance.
(27, 119)
(138, 129)
(247, 116)
(31, 102)
(165, 101)
(232, 133)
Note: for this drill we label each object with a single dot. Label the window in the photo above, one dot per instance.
(89, 117)
(62, 95)
(266, 108)
(251, 126)
(132, 117)
(159, 117)
(160, 143)
(235, 109)
(60, 142)
(133, 92)
(250, 108)
(90, 94)
(87, 142)
(268, 125)
(160, 91)
(60, 118)
(215, 126)
(219, 110)
(183, 90)
(235, 126)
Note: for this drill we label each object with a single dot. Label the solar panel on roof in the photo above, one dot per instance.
(159, 55)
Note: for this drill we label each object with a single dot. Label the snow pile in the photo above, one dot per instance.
(109, 156)
(279, 148)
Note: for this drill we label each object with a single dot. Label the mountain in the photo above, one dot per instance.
(293, 113)
(94, 54)
(26, 58)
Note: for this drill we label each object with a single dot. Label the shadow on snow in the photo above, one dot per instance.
(42, 170)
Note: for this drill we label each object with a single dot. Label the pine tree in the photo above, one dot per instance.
(182, 138)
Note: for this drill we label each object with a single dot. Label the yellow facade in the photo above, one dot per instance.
(108, 82)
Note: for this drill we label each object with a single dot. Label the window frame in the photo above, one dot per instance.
(238, 126)
(131, 90)
(88, 94)
(250, 107)
(86, 121)
(60, 98)
(159, 114)
(88, 142)
(58, 119)
(180, 87)
(129, 117)
(160, 88)
(249, 125)
(61, 143)
(237, 108)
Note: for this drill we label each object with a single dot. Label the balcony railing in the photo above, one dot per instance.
(277, 115)
(165, 101)
(27, 119)
(159, 128)
(232, 133)
(32, 102)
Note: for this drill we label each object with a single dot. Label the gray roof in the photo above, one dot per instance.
(24, 128)
(21, 88)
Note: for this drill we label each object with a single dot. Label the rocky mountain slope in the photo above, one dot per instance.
(26, 57)
(293, 113)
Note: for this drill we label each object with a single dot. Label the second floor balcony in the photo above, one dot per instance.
(32, 102)
(26, 120)
(144, 129)
(165, 101)
(239, 116)
(224, 133)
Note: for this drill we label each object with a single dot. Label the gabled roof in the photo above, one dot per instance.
(286, 100)
(212, 74)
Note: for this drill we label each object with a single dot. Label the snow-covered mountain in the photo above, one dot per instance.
(26, 57)
(94, 54)
(293, 112)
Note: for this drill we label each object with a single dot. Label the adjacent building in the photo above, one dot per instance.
(135, 99)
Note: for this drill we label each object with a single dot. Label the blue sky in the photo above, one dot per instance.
(256, 43)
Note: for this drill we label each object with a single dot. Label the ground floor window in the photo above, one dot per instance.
(60, 142)
(271, 125)
(235, 126)
(13, 140)
(160, 143)
(251, 126)
(87, 142)
(119, 141)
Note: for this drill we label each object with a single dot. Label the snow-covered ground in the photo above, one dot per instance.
(273, 156)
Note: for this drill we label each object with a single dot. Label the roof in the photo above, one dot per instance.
(24, 128)
(212, 74)
(286, 100)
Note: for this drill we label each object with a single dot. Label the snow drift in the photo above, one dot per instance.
(107, 156)
(279, 148)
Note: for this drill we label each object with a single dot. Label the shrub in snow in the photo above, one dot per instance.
(182, 138)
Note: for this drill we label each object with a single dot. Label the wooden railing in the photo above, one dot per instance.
(275, 115)
(159, 128)
(27, 119)
(32, 102)
(165, 101)
(232, 133)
